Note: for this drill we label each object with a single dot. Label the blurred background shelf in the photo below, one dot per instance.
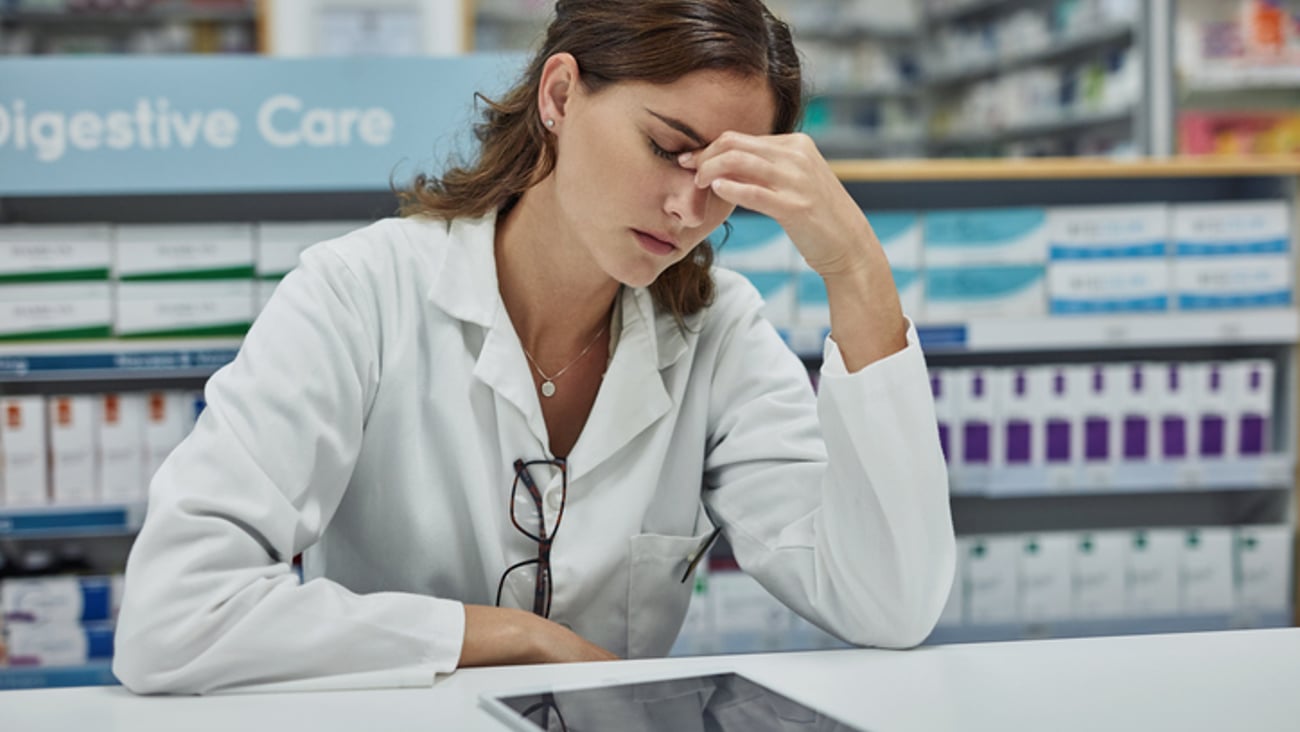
(40, 677)
(70, 521)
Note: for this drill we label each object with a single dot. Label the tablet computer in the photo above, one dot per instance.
(725, 702)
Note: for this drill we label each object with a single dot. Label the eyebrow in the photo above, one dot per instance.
(681, 127)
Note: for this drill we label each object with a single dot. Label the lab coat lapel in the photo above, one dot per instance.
(466, 288)
(632, 396)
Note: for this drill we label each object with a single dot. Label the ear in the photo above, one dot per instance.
(560, 82)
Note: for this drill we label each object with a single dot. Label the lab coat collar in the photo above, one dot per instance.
(632, 395)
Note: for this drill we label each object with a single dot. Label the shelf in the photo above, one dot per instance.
(1268, 472)
(964, 9)
(1273, 326)
(1065, 168)
(37, 677)
(970, 71)
(157, 13)
(115, 359)
(898, 91)
(1243, 78)
(859, 142)
(853, 32)
(1118, 626)
(1064, 124)
(59, 521)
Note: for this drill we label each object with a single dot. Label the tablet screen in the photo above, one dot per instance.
(718, 703)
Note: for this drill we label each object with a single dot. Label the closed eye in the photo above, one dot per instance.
(662, 153)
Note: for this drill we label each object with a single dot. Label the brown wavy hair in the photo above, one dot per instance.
(656, 41)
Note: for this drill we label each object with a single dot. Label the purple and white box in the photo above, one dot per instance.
(1251, 387)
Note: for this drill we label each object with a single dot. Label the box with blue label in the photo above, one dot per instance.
(812, 304)
(756, 243)
(61, 598)
(1233, 255)
(954, 294)
(985, 237)
(1108, 259)
(778, 291)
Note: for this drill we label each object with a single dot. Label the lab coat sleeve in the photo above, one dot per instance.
(211, 601)
(838, 507)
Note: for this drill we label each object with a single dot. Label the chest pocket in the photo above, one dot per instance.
(657, 597)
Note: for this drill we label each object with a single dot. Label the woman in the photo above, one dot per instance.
(503, 428)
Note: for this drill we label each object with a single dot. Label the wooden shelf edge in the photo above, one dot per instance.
(1063, 168)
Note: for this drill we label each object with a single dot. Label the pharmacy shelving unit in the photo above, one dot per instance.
(945, 81)
(1027, 500)
(161, 26)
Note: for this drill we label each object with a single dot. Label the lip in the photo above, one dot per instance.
(655, 243)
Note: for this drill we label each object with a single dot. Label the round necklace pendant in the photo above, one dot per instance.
(548, 388)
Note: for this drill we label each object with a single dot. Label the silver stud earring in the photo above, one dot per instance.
(550, 123)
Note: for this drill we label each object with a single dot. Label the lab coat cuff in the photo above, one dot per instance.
(883, 370)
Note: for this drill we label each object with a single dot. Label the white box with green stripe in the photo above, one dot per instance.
(41, 254)
(184, 280)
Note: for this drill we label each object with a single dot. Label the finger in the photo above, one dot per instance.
(751, 196)
(773, 147)
(742, 166)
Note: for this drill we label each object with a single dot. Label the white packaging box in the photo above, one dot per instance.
(1205, 572)
(1062, 430)
(953, 615)
(1097, 575)
(59, 599)
(1138, 418)
(59, 644)
(900, 236)
(1152, 573)
(214, 307)
(24, 448)
(279, 243)
(1044, 577)
(1176, 429)
(168, 419)
(1107, 259)
(162, 251)
(1213, 407)
(73, 431)
(64, 310)
(1263, 559)
(1251, 389)
(943, 386)
(911, 292)
(960, 238)
(757, 243)
(1099, 422)
(812, 304)
(55, 252)
(992, 564)
(1081, 233)
(778, 291)
(1215, 283)
(48, 644)
(1018, 392)
(1089, 287)
(977, 412)
(121, 447)
(1231, 229)
(957, 294)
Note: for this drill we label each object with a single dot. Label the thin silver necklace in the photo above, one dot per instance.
(548, 382)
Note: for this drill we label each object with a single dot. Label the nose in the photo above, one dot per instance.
(687, 203)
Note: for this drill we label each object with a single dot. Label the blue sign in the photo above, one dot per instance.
(213, 125)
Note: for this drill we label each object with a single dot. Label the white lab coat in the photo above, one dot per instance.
(371, 420)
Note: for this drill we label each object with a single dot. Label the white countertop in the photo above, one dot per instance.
(1240, 680)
